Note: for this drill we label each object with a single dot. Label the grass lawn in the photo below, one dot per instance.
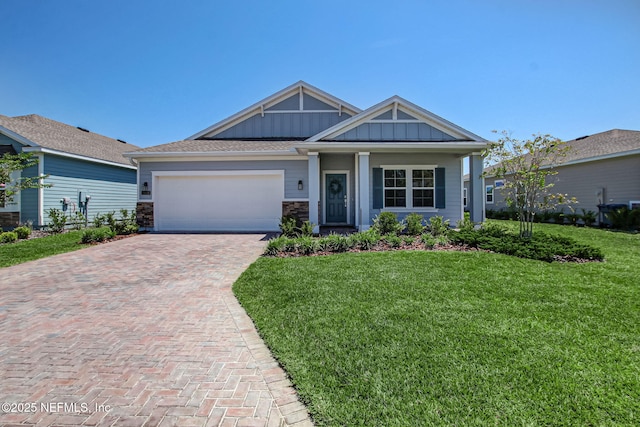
(451, 338)
(28, 250)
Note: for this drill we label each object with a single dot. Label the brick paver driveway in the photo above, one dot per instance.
(142, 331)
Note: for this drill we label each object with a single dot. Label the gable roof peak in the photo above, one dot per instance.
(300, 87)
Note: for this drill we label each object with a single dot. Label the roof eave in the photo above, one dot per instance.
(159, 154)
(450, 147)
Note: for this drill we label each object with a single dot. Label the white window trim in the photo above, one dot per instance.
(486, 194)
(409, 188)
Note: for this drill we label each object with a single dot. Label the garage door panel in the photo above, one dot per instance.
(219, 202)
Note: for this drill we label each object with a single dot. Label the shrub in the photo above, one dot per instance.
(465, 223)
(387, 223)
(306, 229)
(276, 245)
(442, 240)
(588, 217)
(557, 217)
(22, 232)
(408, 240)
(393, 240)
(288, 226)
(365, 240)
(438, 226)
(415, 224)
(624, 219)
(8, 237)
(540, 246)
(335, 243)
(96, 235)
(78, 221)
(573, 218)
(99, 220)
(428, 241)
(307, 245)
(58, 220)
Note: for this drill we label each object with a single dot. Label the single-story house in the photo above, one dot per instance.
(599, 169)
(307, 153)
(87, 171)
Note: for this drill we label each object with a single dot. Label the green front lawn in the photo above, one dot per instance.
(28, 250)
(451, 338)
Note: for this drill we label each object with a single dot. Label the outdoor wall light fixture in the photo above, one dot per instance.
(145, 189)
(300, 185)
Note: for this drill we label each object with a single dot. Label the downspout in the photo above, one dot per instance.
(40, 190)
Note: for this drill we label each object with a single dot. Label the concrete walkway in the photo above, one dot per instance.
(142, 331)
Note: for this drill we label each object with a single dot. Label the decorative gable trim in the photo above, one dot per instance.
(396, 110)
(299, 90)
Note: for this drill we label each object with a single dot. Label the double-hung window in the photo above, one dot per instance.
(489, 193)
(409, 187)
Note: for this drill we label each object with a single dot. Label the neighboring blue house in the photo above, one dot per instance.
(306, 153)
(81, 166)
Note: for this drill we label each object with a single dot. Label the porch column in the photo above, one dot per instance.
(314, 190)
(476, 194)
(363, 191)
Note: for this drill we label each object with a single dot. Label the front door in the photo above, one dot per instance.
(336, 198)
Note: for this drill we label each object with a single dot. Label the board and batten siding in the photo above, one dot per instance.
(294, 171)
(453, 183)
(394, 132)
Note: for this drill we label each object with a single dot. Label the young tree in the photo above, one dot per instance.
(10, 163)
(526, 167)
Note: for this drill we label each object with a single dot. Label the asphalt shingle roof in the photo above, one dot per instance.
(69, 139)
(604, 143)
(209, 146)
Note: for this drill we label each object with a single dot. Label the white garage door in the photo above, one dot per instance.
(225, 201)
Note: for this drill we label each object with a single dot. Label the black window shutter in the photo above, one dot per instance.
(377, 188)
(440, 189)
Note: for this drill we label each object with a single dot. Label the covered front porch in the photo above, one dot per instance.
(348, 189)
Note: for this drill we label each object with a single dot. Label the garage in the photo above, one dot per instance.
(218, 200)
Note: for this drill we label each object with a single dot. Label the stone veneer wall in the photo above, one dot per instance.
(9, 219)
(299, 210)
(144, 214)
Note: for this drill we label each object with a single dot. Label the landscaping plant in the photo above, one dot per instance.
(387, 223)
(527, 167)
(58, 220)
(23, 232)
(415, 224)
(8, 237)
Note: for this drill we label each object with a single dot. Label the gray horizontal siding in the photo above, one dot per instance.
(76, 168)
(294, 170)
(29, 199)
(620, 179)
(105, 196)
(453, 180)
(283, 125)
(394, 132)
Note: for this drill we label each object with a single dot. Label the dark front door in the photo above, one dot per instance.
(336, 198)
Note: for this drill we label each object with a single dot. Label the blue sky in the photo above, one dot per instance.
(151, 72)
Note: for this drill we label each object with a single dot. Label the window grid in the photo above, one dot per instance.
(420, 187)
